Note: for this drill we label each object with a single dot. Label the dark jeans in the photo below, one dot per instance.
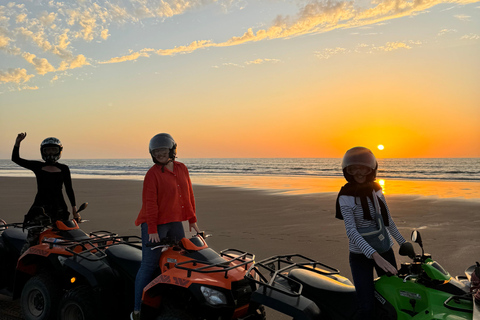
(362, 273)
(150, 258)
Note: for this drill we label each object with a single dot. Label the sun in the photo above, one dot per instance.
(380, 147)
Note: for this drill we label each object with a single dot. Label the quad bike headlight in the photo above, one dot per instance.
(214, 297)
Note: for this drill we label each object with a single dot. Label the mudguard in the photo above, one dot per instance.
(298, 307)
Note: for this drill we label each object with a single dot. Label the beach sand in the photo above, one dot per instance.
(268, 223)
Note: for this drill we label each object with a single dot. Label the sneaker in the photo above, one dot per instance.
(135, 315)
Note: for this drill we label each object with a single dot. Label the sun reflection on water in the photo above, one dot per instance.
(381, 182)
(306, 185)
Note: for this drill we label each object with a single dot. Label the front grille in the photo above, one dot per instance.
(241, 291)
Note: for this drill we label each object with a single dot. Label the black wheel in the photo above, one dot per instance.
(175, 314)
(40, 297)
(78, 304)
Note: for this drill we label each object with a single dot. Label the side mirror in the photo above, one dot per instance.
(82, 207)
(407, 249)
(417, 238)
(3, 225)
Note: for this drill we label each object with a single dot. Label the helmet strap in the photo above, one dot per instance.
(164, 164)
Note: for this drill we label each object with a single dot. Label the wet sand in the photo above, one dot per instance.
(268, 223)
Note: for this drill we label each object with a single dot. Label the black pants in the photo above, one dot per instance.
(362, 273)
(37, 219)
(33, 237)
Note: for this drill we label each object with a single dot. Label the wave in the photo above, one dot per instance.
(448, 169)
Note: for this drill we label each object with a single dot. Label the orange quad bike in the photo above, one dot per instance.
(69, 274)
(74, 275)
(197, 283)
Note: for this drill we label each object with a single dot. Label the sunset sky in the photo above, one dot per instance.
(264, 78)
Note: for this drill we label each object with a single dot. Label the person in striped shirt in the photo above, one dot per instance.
(356, 206)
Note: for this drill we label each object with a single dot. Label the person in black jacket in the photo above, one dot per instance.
(51, 176)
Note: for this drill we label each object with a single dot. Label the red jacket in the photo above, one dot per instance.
(167, 197)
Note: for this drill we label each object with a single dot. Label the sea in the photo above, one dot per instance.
(438, 169)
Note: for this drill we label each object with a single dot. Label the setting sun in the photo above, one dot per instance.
(380, 147)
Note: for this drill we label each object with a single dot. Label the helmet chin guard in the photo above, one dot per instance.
(48, 143)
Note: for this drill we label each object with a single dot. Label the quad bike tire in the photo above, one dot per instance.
(40, 296)
(78, 304)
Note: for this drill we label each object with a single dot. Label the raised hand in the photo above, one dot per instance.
(20, 138)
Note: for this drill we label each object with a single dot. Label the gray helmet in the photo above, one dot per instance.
(359, 156)
(163, 140)
(51, 142)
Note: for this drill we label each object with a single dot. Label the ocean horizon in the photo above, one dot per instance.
(442, 169)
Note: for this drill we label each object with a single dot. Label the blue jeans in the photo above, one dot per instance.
(151, 258)
(362, 273)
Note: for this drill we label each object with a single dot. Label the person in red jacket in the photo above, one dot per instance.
(167, 201)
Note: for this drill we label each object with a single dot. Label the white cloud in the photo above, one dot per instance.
(262, 61)
(21, 18)
(329, 52)
(47, 18)
(41, 64)
(470, 36)
(446, 31)
(104, 34)
(131, 57)
(77, 62)
(60, 28)
(15, 75)
(367, 48)
(462, 17)
(391, 46)
(231, 64)
(4, 41)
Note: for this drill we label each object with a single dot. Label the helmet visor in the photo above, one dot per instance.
(159, 152)
(50, 150)
(358, 170)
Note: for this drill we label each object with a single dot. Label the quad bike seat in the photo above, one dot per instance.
(330, 290)
(15, 238)
(126, 257)
(68, 229)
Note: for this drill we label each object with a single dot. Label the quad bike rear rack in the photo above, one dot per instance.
(93, 249)
(272, 273)
(243, 258)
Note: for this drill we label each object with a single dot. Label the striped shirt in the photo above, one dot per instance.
(352, 213)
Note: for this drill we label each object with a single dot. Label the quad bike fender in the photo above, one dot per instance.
(152, 294)
(67, 271)
(77, 269)
(28, 265)
(298, 307)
